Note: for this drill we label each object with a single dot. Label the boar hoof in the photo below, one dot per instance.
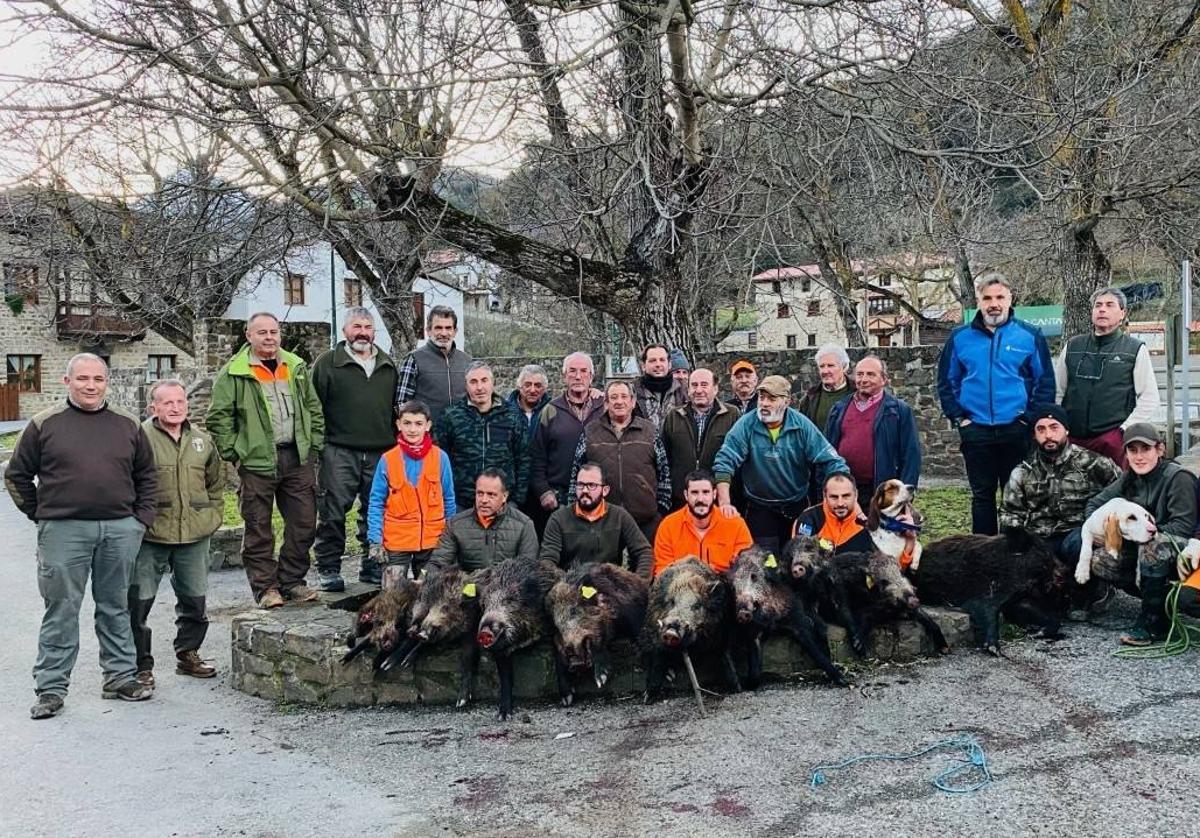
(671, 675)
(992, 649)
(601, 679)
(860, 648)
(462, 702)
(502, 715)
(945, 650)
(568, 699)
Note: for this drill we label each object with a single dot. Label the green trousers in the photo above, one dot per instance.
(188, 565)
(69, 552)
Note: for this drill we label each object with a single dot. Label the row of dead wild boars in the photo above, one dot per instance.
(593, 607)
(690, 609)
(857, 591)
(1014, 575)
(382, 623)
(513, 615)
(766, 603)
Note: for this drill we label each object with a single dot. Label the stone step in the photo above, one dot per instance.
(292, 655)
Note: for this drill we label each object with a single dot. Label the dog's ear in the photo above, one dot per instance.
(874, 506)
(1112, 534)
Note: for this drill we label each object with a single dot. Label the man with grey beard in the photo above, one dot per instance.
(355, 381)
(991, 372)
(775, 450)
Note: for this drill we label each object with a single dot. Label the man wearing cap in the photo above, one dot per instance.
(1048, 492)
(774, 450)
(656, 391)
(990, 373)
(681, 367)
(743, 381)
(1105, 379)
(817, 401)
(1168, 492)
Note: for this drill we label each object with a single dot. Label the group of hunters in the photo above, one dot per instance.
(645, 472)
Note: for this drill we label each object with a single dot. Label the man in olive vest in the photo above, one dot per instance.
(190, 484)
(1105, 380)
(435, 373)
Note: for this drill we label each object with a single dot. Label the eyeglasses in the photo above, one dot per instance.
(587, 487)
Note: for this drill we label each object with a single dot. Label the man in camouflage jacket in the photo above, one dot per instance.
(1047, 494)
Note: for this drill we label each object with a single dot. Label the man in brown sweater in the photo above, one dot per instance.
(93, 499)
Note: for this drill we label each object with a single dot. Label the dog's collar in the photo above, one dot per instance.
(898, 526)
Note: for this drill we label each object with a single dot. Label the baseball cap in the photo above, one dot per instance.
(775, 385)
(742, 364)
(1141, 432)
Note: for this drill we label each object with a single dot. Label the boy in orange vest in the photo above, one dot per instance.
(412, 495)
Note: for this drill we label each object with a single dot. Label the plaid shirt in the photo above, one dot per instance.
(1050, 497)
(406, 385)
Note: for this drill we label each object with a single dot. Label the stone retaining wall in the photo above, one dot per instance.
(292, 655)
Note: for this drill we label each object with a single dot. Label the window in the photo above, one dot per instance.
(159, 367)
(752, 339)
(293, 289)
(885, 340)
(25, 371)
(791, 341)
(806, 285)
(352, 290)
(21, 281)
(814, 308)
(775, 287)
(812, 340)
(783, 310)
(885, 280)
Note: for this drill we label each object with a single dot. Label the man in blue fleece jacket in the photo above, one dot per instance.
(776, 449)
(992, 371)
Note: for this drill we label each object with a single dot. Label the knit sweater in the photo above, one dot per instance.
(94, 465)
(357, 407)
(571, 541)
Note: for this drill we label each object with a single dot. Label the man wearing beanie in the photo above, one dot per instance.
(656, 391)
(681, 367)
(1047, 493)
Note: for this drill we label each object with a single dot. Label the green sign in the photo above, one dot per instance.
(1046, 318)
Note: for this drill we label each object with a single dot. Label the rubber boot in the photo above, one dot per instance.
(1152, 624)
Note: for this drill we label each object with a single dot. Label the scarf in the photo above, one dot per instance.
(658, 384)
(417, 451)
(864, 406)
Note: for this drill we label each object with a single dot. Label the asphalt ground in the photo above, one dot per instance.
(1079, 744)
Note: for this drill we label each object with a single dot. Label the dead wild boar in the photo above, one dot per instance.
(1014, 574)
(690, 609)
(765, 603)
(513, 615)
(592, 607)
(447, 613)
(857, 591)
(382, 624)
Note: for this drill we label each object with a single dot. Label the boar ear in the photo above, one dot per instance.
(1112, 534)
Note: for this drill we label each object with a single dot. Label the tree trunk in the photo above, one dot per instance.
(1085, 269)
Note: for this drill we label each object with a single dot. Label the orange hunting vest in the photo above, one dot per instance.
(414, 516)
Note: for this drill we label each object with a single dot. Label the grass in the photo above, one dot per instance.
(946, 512)
(8, 441)
(231, 517)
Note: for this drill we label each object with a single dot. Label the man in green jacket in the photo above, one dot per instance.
(266, 419)
(594, 531)
(355, 381)
(489, 533)
(190, 483)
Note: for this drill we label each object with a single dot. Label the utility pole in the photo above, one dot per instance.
(1185, 342)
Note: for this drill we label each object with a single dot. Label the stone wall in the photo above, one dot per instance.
(292, 655)
(913, 371)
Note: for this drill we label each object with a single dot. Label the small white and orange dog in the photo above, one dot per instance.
(1114, 523)
(894, 522)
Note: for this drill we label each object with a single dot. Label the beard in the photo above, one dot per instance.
(588, 503)
(1052, 448)
(995, 319)
(700, 510)
(769, 416)
(360, 345)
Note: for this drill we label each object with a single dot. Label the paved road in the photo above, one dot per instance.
(1081, 744)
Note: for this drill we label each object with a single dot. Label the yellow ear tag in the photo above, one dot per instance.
(587, 591)
(870, 581)
(825, 544)
(469, 589)
(771, 561)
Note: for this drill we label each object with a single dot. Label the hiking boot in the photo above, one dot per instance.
(146, 678)
(270, 599)
(47, 705)
(1141, 636)
(189, 663)
(301, 594)
(330, 582)
(371, 573)
(131, 690)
